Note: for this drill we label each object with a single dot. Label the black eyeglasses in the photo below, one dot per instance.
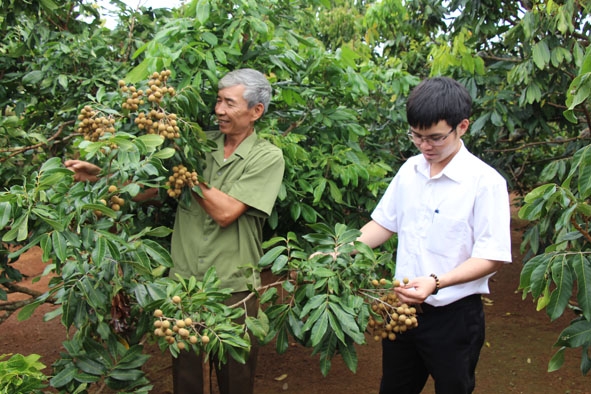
(433, 140)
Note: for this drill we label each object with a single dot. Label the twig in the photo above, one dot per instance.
(13, 288)
(580, 229)
(17, 151)
(262, 288)
(532, 144)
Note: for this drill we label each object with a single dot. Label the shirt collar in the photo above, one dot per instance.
(455, 170)
(242, 150)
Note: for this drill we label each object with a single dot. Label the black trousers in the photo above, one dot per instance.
(446, 345)
(232, 377)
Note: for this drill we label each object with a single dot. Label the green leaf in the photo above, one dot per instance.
(202, 11)
(99, 251)
(336, 327)
(126, 374)
(64, 377)
(90, 365)
(133, 358)
(33, 77)
(5, 213)
(271, 255)
(159, 254)
(541, 54)
(268, 295)
(258, 326)
(582, 268)
(584, 181)
(312, 304)
(279, 264)
(49, 4)
(560, 296)
(349, 355)
(28, 310)
(578, 334)
(557, 360)
(319, 329)
(59, 245)
(164, 153)
(151, 141)
(282, 342)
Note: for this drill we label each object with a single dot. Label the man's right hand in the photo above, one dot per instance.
(83, 170)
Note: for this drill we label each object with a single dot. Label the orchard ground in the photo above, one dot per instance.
(519, 344)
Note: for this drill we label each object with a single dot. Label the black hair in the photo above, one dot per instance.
(436, 99)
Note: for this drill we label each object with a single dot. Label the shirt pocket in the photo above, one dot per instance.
(447, 237)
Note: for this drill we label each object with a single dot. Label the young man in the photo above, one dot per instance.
(451, 213)
(224, 228)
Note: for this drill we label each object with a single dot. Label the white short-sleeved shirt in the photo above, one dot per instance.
(442, 221)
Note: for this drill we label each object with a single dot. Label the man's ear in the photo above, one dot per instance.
(257, 111)
(462, 127)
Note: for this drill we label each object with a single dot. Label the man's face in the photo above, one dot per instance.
(439, 143)
(233, 115)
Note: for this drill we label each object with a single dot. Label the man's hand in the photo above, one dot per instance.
(83, 170)
(416, 290)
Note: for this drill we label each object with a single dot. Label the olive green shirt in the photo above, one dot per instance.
(252, 175)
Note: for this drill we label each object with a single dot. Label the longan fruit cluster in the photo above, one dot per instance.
(392, 317)
(158, 122)
(92, 126)
(115, 202)
(155, 93)
(157, 88)
(135, 97)
(180, 178)
(179, 331)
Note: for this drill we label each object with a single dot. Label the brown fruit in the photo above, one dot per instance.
(176, 299)
(205, 339)
(112, 189)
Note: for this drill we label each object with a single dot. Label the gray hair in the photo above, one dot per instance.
(256, 87)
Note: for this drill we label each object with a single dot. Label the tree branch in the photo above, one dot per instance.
(17, 151)
(580, 229)
(532, 144)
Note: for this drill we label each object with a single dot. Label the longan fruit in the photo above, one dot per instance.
(176, 299)
(183, 332)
